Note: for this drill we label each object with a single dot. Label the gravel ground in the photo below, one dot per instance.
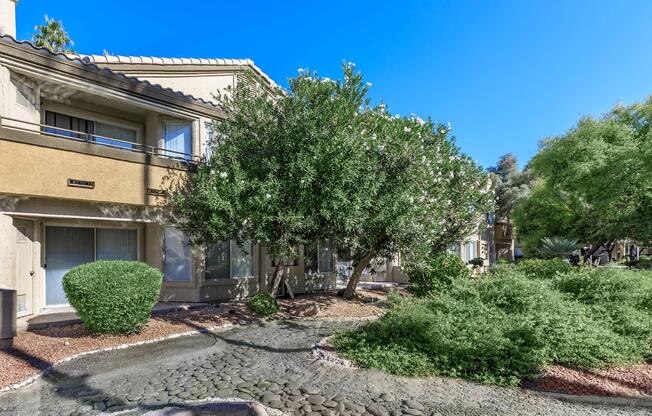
(38, 349)
(269, 362)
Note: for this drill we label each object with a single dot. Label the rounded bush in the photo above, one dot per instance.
(263, 304)
(113, 297)
(431, 273)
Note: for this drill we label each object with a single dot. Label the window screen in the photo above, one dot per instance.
(116, 244)
(109, 131)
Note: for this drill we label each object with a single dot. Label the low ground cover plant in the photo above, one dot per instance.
(507, 327)
(535, 268)
(263, 304)
(113, 297)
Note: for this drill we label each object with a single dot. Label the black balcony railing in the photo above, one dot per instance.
(94, 139)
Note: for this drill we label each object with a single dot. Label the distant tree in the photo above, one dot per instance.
(594, 183)
(53, 36)
(509, 184)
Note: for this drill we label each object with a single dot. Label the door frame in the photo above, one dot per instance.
(32, 307)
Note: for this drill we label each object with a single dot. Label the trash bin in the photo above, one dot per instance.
(7, 317)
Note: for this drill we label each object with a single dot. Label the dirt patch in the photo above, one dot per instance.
(331, 306)
(634, 381)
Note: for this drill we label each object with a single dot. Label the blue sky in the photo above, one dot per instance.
(506, 74)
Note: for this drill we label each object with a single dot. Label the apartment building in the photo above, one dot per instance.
(91, 146)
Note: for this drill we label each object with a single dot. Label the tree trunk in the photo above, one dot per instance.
(355, 276)
(276, 277)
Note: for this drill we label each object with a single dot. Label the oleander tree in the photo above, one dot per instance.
(425, 192)
(280, 167)
(319, 162)
(594, 183)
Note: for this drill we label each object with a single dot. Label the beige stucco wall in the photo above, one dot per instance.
(39, 171)
(199, 85)
(7, 252)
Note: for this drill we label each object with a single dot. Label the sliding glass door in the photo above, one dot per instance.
(67, 247)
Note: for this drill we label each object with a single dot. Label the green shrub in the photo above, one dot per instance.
(263, 304)
(503, 329)
(432, 273)
(535, 268)
(608, 286)
(113, 297)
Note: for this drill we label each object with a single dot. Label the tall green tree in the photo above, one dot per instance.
(425, 192)
(594, 183)
(510, 184)
(318, 162)
(53, 36)
(280, 169)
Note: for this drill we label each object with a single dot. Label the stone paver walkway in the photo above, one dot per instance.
(270, 363)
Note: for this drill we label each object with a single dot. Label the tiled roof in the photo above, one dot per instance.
(151, 60)
(90, 63)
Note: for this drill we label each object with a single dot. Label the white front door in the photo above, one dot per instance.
(25, 268)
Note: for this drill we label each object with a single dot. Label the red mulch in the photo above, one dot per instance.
(37, 349)
(634, 381)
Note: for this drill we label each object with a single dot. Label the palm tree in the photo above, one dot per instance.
(557, 247)
(53, 36)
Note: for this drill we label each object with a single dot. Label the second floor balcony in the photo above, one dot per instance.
(177, 137)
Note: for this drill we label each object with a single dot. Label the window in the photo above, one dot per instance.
(209, 140)
(319, 258)
(177, 262)
(109, 131)
(116, 244)
(227, 260)
(68, 125)
(91, 128)
(178, 139)
(470, 251)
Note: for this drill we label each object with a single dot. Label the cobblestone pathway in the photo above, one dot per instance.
(269, 363)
